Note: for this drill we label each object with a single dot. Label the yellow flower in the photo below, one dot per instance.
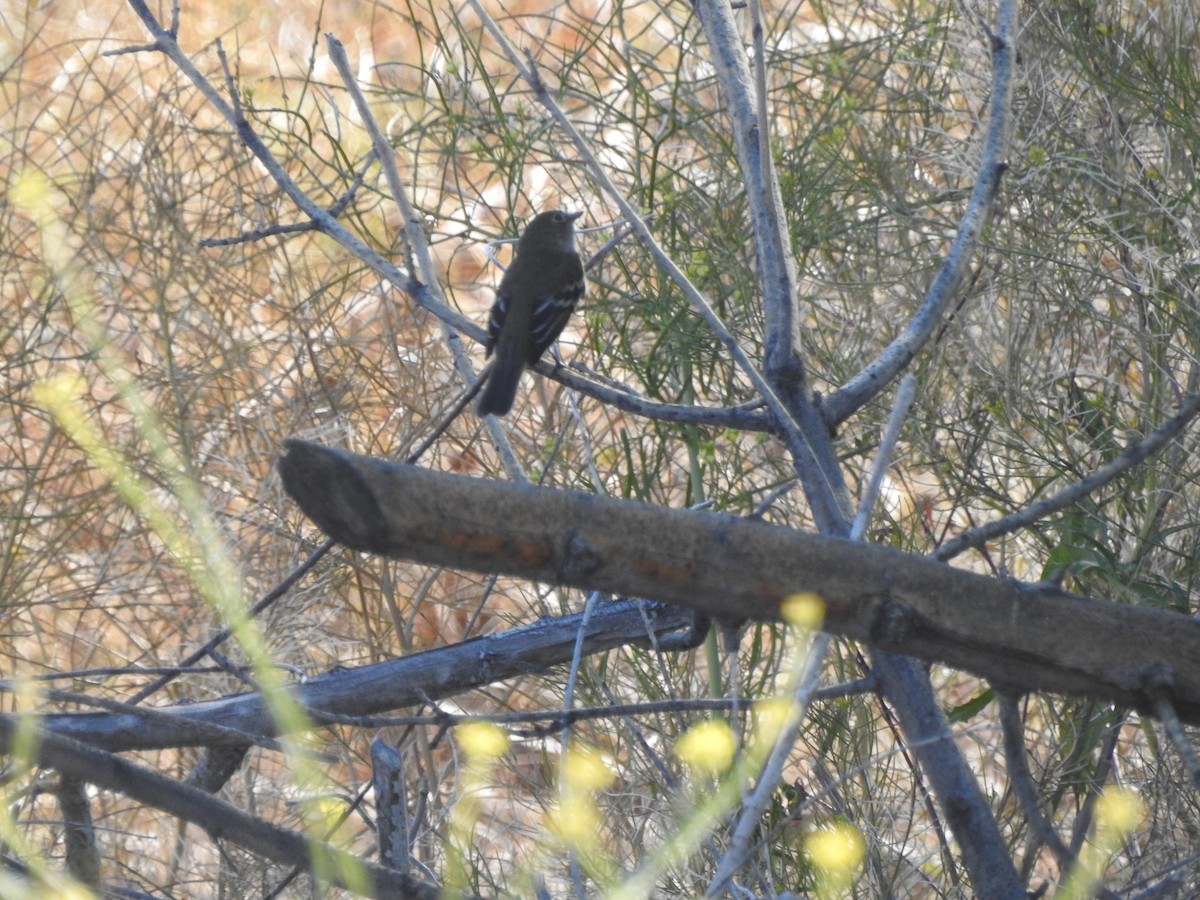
(326, 814)
(837, 851)
(805, 611)
(482, 742)
(585, 770)
(35, 196)
(770, 718)
(576, 821)
(1119, 811)
(707, 747)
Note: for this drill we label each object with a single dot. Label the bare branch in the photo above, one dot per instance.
(1021, 780)
(413, 680)
(1164, 434)
(391, 805)
(79, 835)
(746, 106)
(418, 248)
(877, 374)
(809, 442)
(165, 42)
(883, 459)
(221, 820)
(1165, 710)
(965, 808)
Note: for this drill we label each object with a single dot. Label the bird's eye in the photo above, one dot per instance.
(560, 216)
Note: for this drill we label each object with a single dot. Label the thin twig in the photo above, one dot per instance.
(1096, 782)
(554, 719)
(1013, 735)
(1178, 736)
(165, 43)
(258, 234)
(877, 374)
(754, 807)
(1021, 780)
(335, 209)
(280, 589)
(883, 458)
(417, 247)
(977, 537)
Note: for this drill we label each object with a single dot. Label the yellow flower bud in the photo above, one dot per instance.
(805, 611)
(707, 747)
(482, 742)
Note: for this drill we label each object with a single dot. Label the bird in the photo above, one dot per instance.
(537, 294)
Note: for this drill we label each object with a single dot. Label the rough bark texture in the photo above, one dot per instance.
(727, 567)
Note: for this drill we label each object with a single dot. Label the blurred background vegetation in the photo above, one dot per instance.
(1074, 334)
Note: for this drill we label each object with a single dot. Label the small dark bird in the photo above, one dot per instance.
(536, 297)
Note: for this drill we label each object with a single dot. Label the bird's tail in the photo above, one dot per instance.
(501, 387)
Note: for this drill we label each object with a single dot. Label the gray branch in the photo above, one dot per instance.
(413, 680)
(897, 355)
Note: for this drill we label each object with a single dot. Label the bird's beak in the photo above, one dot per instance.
(571, 217)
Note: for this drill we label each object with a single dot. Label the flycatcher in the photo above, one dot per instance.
(535, 299)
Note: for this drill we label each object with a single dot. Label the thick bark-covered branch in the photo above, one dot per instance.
(733, 568)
